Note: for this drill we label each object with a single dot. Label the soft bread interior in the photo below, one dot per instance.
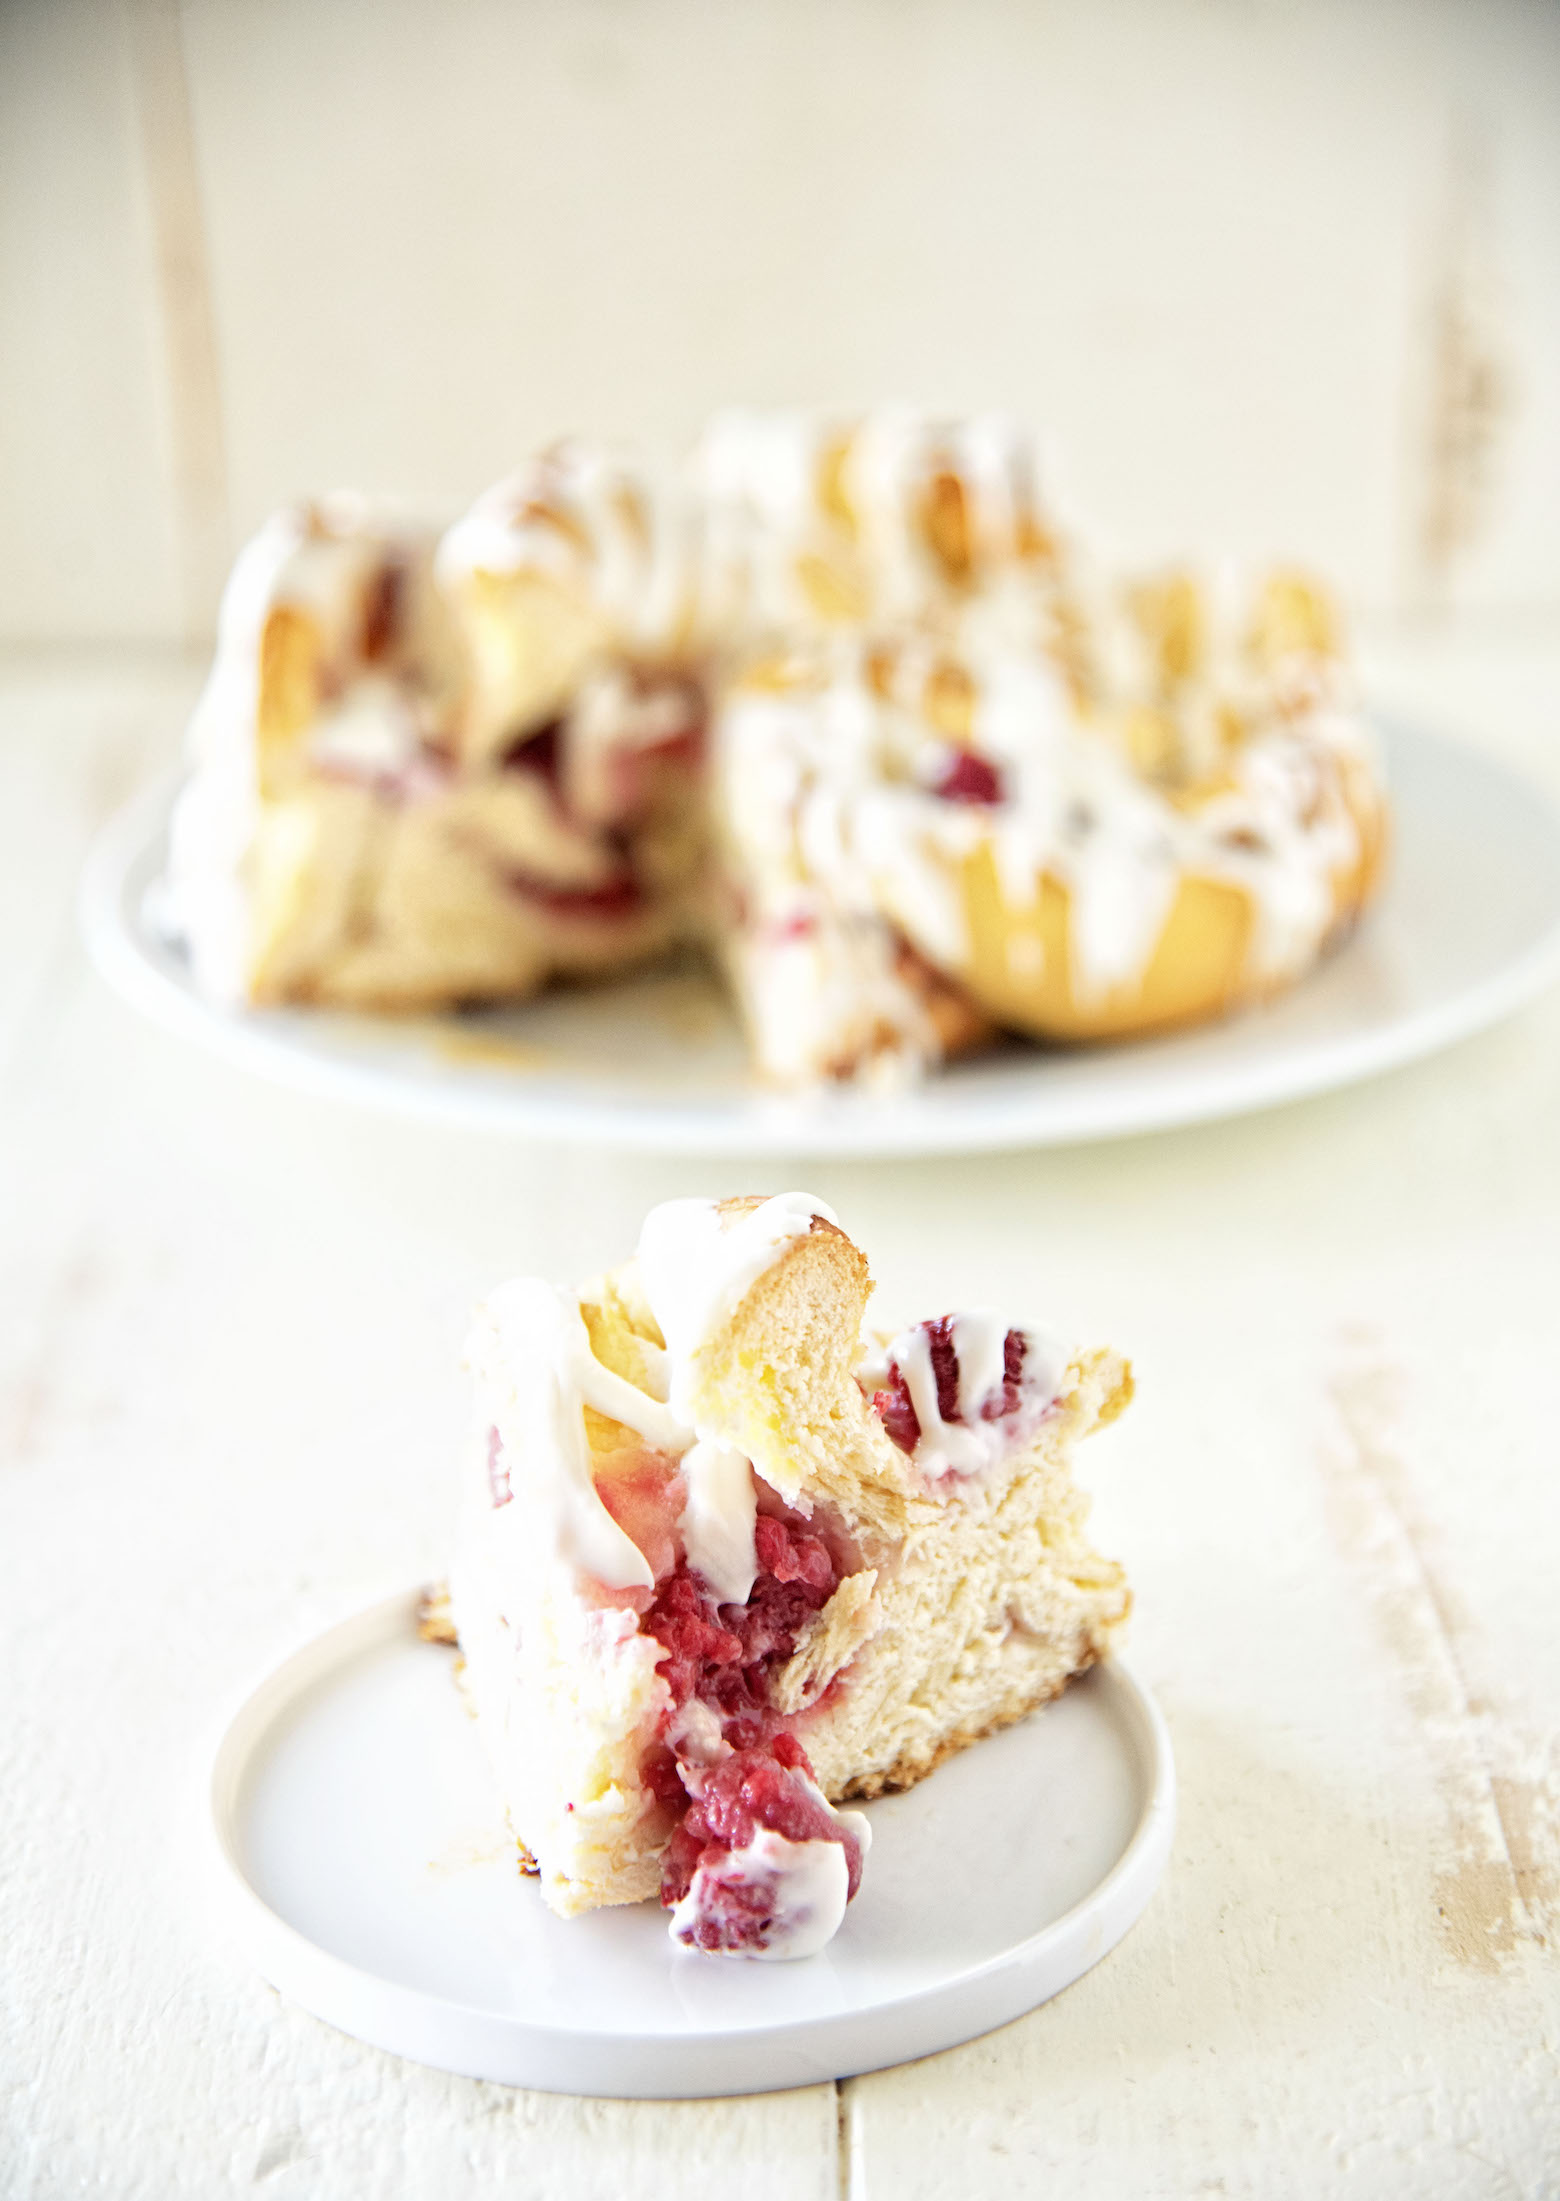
(972, 1606)
(777, 1382)
(983, 1612)
(531, 639)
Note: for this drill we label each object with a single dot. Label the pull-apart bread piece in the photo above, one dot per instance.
(723, 1566)
(370, 824)
(931, 838)
(838, 705)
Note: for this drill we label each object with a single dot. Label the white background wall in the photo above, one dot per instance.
(1271, 274)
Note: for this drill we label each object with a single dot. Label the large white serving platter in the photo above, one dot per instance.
(1467, 931)
(360, 1860)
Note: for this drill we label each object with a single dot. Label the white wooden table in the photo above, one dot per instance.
(229, 1403)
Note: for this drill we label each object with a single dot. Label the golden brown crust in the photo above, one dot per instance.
(1195, 971)
(435, 1618)
(1119, 1398)
(290, 653)
(398, 913)
(1020, 969)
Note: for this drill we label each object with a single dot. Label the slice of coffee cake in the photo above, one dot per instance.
(723, 1566)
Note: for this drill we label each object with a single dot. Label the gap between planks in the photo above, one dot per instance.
(849, 2171)
(159, 77)
(1501, 1888)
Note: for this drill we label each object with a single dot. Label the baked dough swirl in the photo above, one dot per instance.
(837, 701)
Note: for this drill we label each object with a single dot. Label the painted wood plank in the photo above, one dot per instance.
(229, 1322)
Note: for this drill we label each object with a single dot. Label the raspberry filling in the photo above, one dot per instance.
(618, 896)
(749, 1793)
(801, 926)
(536, 752)
(631, 763)
(728, 1766)
(970, 778)
(539, 754)
(896, 1410)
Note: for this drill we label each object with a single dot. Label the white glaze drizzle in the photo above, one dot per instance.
(318, 558)
(205, 897)
(835, 789)
(536, 1373)
(695, 1733)
(698, 1265)
(970, 1444)
(808, 1884)
(817, 790)
(610, 721)
(373, 728)
(823, 990)
(626, 538)
(718, 1519)
(760, 478)
(756, 477)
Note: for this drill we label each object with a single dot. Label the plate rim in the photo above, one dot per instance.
(783, 1123)
(456, 2036)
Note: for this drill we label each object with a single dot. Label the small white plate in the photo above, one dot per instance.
(362, 1862)
(1467, 931)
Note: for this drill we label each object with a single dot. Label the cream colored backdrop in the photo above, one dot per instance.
(1271, 274)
